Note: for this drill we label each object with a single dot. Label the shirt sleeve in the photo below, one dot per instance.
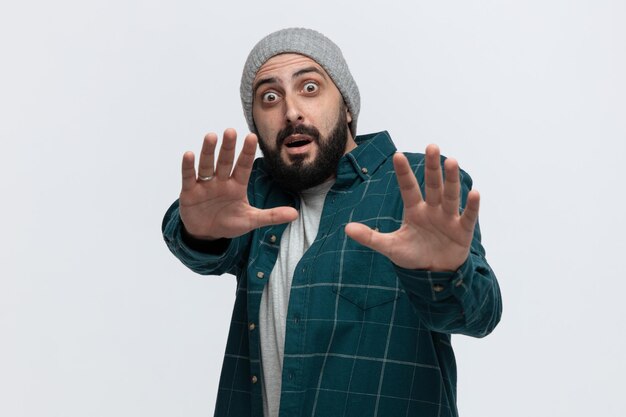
(466, 301)
(223, 256)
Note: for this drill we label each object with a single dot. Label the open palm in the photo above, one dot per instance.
(434, 235)
(215, 204)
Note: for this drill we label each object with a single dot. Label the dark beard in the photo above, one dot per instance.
(299, 175)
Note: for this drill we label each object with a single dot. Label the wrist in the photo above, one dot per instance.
(187, 235)
(213, 246)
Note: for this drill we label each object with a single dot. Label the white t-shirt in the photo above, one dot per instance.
(297, 238)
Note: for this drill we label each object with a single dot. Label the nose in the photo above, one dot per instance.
(293, 114)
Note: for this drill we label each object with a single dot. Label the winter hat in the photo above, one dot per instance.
(311, 44)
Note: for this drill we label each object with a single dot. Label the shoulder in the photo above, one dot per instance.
(263, 191)
(259, 176)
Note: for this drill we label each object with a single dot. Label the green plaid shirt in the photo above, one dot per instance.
(363, 336)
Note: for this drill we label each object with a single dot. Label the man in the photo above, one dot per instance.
(350, 279)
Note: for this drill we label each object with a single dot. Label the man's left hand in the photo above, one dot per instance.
(434, 235)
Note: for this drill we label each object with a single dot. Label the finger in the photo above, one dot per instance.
(451, 187)
(273, 216)
(380, 242)
(227, 155)
(409, 188)
(188, 171)
(432, 176)
(470, 214)
(241, 173)
(207, 156)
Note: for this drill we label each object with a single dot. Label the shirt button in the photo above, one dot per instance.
(438, 288)
(254, 379)
(273, 238)
(290, 376)
(364, 170)
(260, 275)
(296, 319)
(251, 326)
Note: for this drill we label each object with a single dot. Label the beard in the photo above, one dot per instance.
(300, 175)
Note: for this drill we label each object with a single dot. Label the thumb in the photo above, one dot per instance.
(277, 215)
(380, 242)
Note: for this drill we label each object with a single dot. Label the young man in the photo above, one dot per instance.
(350, 277)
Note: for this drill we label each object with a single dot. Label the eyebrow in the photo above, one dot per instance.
(271, 80)
(262, 81)
(306, 71)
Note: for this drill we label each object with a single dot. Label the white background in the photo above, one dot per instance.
(99, 100)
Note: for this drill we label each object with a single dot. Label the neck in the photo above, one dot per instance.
(350, 143)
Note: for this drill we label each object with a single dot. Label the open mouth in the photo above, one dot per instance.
(297, 141)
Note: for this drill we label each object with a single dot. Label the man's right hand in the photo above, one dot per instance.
(215, 204)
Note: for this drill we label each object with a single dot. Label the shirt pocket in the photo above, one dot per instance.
(364, 277)
(366, 298)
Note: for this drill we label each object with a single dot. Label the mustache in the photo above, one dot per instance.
(310, 131)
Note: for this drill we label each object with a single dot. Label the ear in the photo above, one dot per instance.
(348, 115)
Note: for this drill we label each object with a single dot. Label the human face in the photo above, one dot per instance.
(298, 175)
(297, 110)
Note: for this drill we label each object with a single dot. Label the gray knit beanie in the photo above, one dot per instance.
(311, 44)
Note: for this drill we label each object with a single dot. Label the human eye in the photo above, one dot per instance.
(310, 87)
(269, 97)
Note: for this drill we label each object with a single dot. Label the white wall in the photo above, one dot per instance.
(99, 99)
